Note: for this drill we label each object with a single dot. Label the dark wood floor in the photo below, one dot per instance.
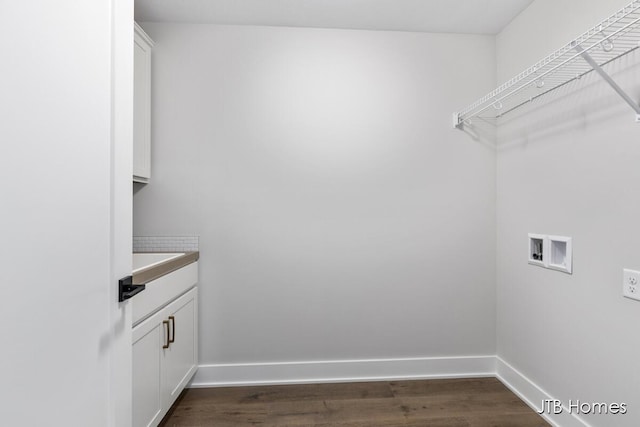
(479, 402)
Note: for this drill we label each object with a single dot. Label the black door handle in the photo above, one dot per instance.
(126, 288)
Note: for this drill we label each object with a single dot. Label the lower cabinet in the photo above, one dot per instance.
(165, 357)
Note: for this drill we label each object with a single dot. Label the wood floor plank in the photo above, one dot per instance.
(363, 410)
(475, 402)
(441, 422)
(448, 386)
(519, 420)
(290, 392)
(468, 406)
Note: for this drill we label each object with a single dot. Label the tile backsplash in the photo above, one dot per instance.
(165, 243)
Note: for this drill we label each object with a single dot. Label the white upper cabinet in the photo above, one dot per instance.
(142, 106)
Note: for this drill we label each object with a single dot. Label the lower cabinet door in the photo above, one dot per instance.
(181, 358)
(165, 357)
(148, 339)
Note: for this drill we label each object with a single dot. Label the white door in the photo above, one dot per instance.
(66, 137)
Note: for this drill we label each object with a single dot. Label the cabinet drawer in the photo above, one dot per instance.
(163, 290)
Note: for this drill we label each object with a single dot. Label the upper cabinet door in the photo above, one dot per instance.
(142, 106)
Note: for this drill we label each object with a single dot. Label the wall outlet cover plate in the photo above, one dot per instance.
(631, 284)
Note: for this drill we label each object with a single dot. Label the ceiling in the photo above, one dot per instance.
(441, 16)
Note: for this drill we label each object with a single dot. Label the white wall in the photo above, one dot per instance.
(341, 217)
(569, 167)
(66, 212)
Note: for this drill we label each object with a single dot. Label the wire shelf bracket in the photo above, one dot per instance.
(585, 55)
(616, 36)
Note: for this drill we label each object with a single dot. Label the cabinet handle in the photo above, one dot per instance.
(173, 328)
(166, 336)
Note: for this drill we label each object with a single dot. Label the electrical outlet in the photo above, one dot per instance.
(631, 284)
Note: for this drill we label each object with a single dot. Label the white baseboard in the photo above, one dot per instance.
(533, 395)
(343, 371)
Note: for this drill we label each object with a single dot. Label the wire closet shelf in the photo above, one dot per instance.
(614, 37)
